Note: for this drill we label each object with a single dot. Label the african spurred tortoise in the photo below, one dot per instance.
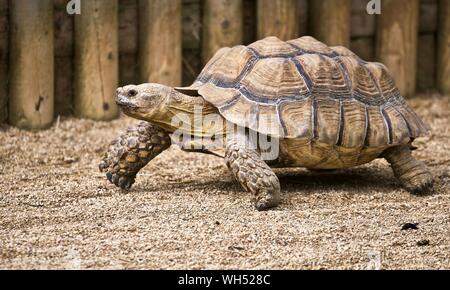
(321, 107)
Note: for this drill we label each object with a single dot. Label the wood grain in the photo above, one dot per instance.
(96, 60)
(31, 103)
(128, 41)
(363, 47)
(396, 44)
(192, 40)
(4, 31)
(443, 63)
(426, 62)
(363, 24)
(64, 43)
(160, 52)
(277, 18)
(222, 26)
(330, 21)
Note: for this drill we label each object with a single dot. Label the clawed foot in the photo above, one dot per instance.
(253, 174)
(413, 174)
(115, 176)
(120, 181)
(422, 185)
(267, 201)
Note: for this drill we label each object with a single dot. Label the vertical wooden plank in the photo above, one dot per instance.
(160, 49)
(192, 19)
(362, 30)
(128, 69)
(396, 44)
(428, 16)
(4, 28)
(303, 17)
(96, 59)
(63, 23)
(222, 26)
(363, 47)
(128, 41)
(249, 22)
(31, 103)
(278, 18)
(330, 21)
(363, 24)
(426, 62)
(426, 49)
(443, 63)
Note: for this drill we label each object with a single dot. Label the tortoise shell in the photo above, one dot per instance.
(304, 90)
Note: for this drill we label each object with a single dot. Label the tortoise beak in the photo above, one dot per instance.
(122, 100)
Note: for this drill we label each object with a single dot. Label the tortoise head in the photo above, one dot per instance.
(142, 101)
(161, 105)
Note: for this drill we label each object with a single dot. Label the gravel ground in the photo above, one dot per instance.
(186, 210)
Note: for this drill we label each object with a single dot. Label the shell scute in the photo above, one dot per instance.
(362, 82)
(273, 78)
(310, 44)
(272, 47)
(377, 130)
(296, 118)
(327, 120)
(324, 74)
(225, 70)
(354, 124)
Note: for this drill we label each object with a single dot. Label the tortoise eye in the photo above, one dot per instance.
(132, 93)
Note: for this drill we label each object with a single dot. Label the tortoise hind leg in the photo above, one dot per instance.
(412, 173)
(253, 174)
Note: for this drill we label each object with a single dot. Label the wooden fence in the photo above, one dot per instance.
(53, 63)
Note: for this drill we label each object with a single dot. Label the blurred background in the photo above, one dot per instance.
(54, 63)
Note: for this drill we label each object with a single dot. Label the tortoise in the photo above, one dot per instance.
(318, 107)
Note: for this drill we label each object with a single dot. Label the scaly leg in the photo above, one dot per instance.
(131, 152)
(253, 174)
(412, 173)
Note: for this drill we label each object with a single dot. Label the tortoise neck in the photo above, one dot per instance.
(180, 111)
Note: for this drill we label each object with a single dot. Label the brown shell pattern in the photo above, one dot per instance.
(305, 89)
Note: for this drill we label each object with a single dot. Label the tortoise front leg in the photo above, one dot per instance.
(253, 174)
(412, 173)
(131, 152)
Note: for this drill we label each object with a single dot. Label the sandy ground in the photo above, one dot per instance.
(186, 210)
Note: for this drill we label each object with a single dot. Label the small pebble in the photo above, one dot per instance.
(410, 226)
(422, 243)
(238, 248)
